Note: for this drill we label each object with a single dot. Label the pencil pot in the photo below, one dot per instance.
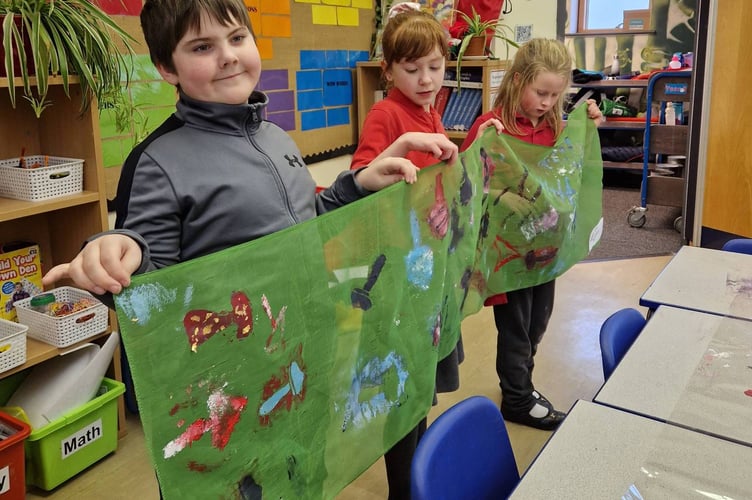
(12, 467)
(83, 317)
(40, 177)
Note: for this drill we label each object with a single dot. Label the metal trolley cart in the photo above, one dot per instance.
(661, 140)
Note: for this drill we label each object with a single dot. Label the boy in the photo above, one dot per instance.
(214, 174)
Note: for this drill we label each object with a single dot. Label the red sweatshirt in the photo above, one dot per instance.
(390, 118)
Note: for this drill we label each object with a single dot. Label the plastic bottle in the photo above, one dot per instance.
(41, 303)
(615, 66)
(675, 62)
(670, 114)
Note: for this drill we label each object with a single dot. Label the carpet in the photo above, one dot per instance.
(620, 240)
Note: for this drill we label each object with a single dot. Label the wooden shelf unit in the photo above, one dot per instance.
(368, 81)
(617, 124)
(58, 225)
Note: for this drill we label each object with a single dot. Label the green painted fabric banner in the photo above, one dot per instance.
(286, 366)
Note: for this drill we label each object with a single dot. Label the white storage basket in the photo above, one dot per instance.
(64, 330)
(63, 176)
(12, 344)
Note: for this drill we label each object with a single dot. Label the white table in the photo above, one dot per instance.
(603, 453)
(705, 280)
(690, 369)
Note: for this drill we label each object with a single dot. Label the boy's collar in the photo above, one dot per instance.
(217, 116)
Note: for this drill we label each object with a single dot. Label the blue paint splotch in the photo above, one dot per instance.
(373, 375)
(419, 260)
(138, 302)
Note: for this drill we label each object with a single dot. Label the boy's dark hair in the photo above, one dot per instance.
(165, 22)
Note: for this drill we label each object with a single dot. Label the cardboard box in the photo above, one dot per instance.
(637, 19)
(20, 275)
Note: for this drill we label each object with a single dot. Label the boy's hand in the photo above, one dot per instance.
(495, 122)
(594, 112)
(439, 145)
(383, 172)
(103, 265)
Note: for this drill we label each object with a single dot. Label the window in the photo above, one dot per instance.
(600, 15)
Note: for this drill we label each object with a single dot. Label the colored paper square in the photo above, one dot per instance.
(120, 7)
(338, 87)
(337, 59)
(107, 124)
(309, 80)
(144, 69)
(312, 59)
(252, 6)
(307, 1)
(325, 15)
(273, 79)
(275, 7)
(337, 116)
(285, 120)
(313, 119)
(276, 26)
(153, 94)
(336, 2)
(265, 48)
(355, 56)
(347, 16)
(281, 101)
(312, 99)
(113, 151)
(362, 4)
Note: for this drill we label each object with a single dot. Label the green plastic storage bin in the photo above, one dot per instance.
(73, 442)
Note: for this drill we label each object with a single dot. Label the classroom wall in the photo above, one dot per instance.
(529, 18)
(309, 49)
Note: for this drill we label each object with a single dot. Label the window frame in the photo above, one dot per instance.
(578, 11)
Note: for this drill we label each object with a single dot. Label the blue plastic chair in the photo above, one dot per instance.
(738, 245)
(617, 334)
(465, 453)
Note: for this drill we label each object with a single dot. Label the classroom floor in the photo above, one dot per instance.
(568, 368)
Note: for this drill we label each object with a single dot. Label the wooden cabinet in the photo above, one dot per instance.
(368, 80)
(59, 225)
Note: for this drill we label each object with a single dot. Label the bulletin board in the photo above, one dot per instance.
(308, 71)
(309, 49)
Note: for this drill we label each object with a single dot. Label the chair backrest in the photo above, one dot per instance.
(465, 453)
(617, 334)
(738, 245)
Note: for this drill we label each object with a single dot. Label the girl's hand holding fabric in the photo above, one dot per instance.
(439, 145)
(491, 122)
(594, 112)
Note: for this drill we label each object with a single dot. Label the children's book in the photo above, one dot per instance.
(472, 109)
(451, 109)
(442, 97)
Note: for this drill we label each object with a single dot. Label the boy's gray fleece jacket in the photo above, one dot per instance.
(213, 176)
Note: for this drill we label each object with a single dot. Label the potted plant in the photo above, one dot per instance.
(474, 40)
(61, 37)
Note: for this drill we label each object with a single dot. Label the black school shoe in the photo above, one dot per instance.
(548, 422)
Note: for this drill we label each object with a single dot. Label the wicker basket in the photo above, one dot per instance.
(63, 176)
(64, 330)
(12, 344)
